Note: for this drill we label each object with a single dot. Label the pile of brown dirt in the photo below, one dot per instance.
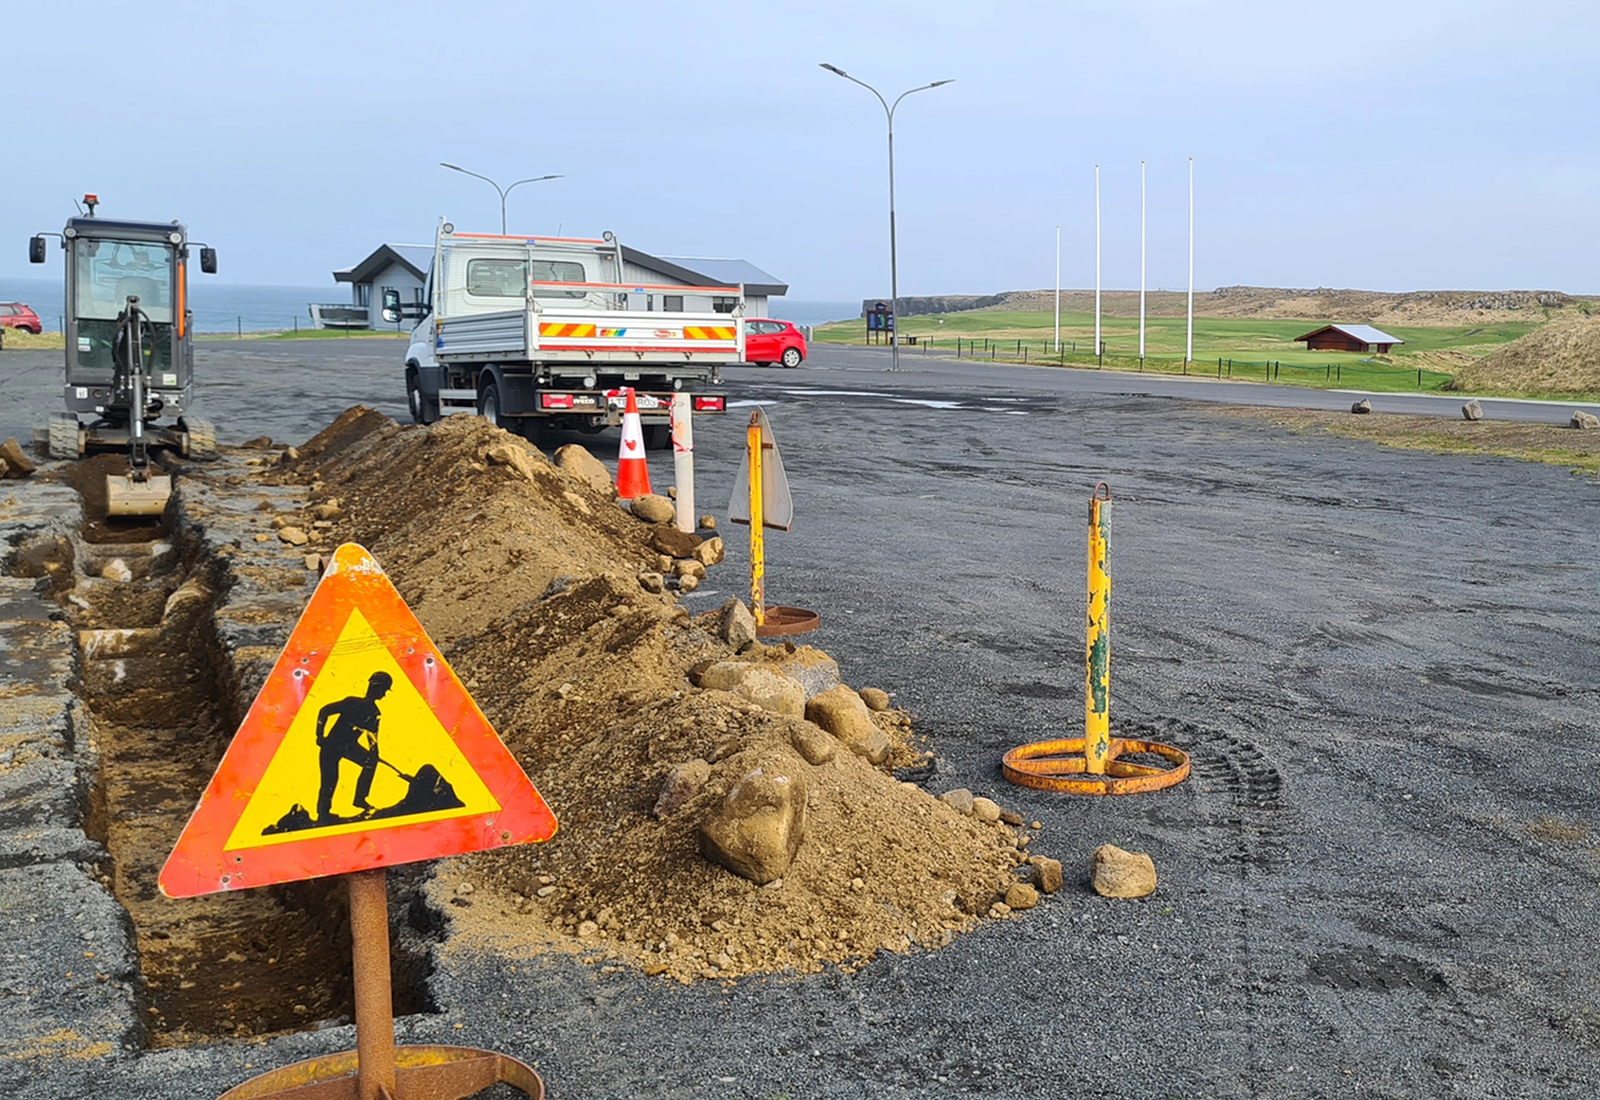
(527, 578)
(1562, 357)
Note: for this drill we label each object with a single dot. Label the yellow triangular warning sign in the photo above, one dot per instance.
(362, 749)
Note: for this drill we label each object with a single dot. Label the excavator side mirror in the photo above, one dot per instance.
(208, 260)
(391, 305)
(36, 250)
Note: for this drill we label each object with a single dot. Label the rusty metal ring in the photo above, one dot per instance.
(1061, 766)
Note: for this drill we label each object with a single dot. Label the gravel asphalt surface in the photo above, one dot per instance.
(1379, 882)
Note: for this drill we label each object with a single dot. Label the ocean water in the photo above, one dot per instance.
(224, 307)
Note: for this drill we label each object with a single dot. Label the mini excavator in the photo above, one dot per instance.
(129, 352)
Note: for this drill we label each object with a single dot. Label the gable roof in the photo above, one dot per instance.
(416, 258)
(700, 271)
(1364, 333)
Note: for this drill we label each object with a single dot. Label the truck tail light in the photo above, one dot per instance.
(555, 401)
(703, 403)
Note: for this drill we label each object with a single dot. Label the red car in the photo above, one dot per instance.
(768, 342)
(17, 315)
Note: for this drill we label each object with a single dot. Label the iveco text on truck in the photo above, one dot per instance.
(548, 331)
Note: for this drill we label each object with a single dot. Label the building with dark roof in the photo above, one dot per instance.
(1357, 338)
(404, 268)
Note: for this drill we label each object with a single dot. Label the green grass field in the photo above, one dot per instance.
(1245, 347)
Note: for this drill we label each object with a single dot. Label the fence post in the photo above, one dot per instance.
(241, 328)
(1419, 378)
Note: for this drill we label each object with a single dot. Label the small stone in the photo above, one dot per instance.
(1047, 874)
(688, 567)
(722, 961)
(688, 584)
(294, 536)
(1120, 874)
(464, 889)
(708, 522)
(672, 542)
(986, 809)
(263, 538)
(1021, 896)
(259, 443)
(652, 509)
(651, 582)
(663, 564)
(681, 784)
(299, 1010)
(737, 626)
(588, 930)
(857, 885)
(841, 712)
(117, 570)
(1472, 411)
(998, 910)
(960, 800)
(313, 563)
(544, 891)
(814, 743)
(327, 510)
(876, 698)
(1014, 820)
(672, 492)
(1584, 421)
(1361, 407)
(290, 454)
(709, 552)
(321, 524)
(282, 520)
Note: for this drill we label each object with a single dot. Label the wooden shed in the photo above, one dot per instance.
(1359, 338)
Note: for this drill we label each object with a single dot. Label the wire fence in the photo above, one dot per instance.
(1070, 353)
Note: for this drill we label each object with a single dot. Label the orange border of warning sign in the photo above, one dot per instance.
(200, 865)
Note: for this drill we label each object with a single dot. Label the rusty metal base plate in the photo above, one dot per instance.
(1061, 766)
(783, 622)
(421, 1073)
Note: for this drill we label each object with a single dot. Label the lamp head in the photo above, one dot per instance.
(834, 69)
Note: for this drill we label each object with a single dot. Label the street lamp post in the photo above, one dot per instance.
(504, 191)
(894, 272)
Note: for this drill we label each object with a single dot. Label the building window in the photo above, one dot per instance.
(509, 278)
(672, 303)
(723, 305)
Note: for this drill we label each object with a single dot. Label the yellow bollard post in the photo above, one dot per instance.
(758, 559)
(1097, 685)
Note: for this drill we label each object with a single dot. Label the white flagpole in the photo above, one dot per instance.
(1097, 259)
(1141, 263)
(1058, 289)
(1188, 355)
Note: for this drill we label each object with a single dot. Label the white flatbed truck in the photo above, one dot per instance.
(533, 332)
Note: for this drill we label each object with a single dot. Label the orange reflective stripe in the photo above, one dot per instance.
(707, 332)
(547, 328)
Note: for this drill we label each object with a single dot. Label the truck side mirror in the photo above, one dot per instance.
(36, 250)
(208, 260)
(391, 305)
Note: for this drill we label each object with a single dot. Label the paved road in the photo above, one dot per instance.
(1379, 881)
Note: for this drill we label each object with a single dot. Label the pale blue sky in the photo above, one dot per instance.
(1392, 145)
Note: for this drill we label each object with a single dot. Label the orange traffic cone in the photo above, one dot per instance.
(633, 475)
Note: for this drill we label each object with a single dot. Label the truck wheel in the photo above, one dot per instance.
(657, 437)
(791, 357)
(489, 404)
(64, 436)
(202, 437)
(424, 410)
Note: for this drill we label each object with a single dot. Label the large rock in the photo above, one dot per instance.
(514, 455)
(725, 675)
(960, 800)
(1472, 411)
(817, 745)
(842, 713)
(773, 691)
(1361, 407)
(1019, 895)
(17, 463)
(575, 460)
(673, 542)
(1584, 421)
(652, 509)
(681, 784)
(986, 810)
(737, 626)
(1120, 874)
(709, 552)
(816, 671)
(875, 698)
(1047, 874)
(759, 826)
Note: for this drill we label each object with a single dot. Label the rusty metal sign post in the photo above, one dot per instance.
(761, 499)
(1092, 764)
(360, 682)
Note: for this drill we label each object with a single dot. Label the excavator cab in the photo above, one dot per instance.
(129, 352)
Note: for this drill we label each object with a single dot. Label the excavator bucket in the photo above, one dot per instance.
(128, 496)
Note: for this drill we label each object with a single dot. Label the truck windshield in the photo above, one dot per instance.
(509, 278)
(109, 271)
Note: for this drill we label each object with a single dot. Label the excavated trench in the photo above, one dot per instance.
(141, 594)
